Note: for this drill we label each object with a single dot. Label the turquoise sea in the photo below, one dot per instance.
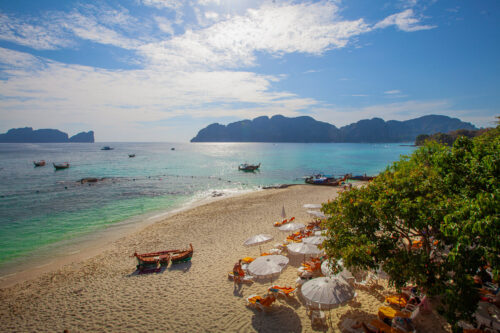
(43, 209)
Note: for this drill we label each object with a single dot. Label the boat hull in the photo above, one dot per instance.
(183, 256)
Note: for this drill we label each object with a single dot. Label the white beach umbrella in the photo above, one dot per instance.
(326, 271)
(283, 214)
(314, 240)
(317, 213)
(258, 240)
(305, 249)
(327, 292)
(312, 206)
(267, 266)
(291, 226)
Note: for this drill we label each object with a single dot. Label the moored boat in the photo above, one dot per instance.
(182, 256)
(131, 155)
(248, 167)
(59, 166)
(320, 179)
(107, 148)
(39, 163)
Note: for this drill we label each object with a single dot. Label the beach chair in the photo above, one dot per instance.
(244, 279)
(388, 312)
(261, 303)
(383, 327)
(400, 300)
(283, 291)
(318, 317)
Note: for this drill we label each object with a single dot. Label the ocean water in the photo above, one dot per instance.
(43, 209)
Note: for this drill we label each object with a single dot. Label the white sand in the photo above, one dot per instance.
(102, 293)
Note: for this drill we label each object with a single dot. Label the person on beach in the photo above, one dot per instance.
(238, 272)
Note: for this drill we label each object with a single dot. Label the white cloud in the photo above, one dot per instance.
(39, 35)
(170, 4)
(164, 25)
(14, 59)
(311, 28)
(404, 20)
(392, 92)
(53, 92)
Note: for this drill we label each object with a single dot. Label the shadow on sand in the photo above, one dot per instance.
(278, 319)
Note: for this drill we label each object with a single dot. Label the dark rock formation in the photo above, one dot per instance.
(83, 137)
(27, 134)
(306, 129)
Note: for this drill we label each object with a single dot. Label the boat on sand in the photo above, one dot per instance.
(182, 256)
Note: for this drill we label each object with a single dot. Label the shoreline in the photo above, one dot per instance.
(89, 245)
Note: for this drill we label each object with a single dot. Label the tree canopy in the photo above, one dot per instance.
(431, 219)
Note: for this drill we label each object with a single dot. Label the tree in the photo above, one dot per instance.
(431, 219)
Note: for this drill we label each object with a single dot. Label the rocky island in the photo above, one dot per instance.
(28, 135)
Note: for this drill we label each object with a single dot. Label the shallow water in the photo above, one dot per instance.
(42, 208)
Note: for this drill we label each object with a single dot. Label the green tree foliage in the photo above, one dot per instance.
(431, 219)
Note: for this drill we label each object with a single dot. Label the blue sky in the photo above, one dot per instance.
(160, 70)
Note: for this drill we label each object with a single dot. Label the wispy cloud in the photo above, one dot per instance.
(405, 21)
(160, 4)
(311, 28)
(392, 92)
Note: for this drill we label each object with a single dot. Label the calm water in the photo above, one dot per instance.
(42, 208)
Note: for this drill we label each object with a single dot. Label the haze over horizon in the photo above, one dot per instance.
(160, 70)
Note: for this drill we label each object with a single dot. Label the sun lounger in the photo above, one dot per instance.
(388, 312)
(318, 316)
(243, 279)
(399, 300)
(383, 327)
(259, 302)
(283, 291)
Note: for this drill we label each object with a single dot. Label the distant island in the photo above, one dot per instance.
(28, 135)
(306, 129)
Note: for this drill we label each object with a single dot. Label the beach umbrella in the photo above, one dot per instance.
(312, 206)
(314, 240)
(302, 248)
(283, 214)
(327, 292)
(326, 271)
(317, 213)
(291, 226)
(258, 240)
(267, 266)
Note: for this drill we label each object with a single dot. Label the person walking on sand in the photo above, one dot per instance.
(238, 272)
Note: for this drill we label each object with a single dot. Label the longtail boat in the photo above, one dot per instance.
(153, 259)
(182, 256)
(60, 166)
(325, 180)
(39, 163)
(248, 167)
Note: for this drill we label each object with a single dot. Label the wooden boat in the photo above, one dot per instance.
(153, 259)
(107, 148)
(39, 163)
(182, 256)
(248, 167)
(131, 155)
(59, 166)
(325, 180)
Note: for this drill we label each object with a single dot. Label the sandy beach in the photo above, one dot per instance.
(104, 294)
